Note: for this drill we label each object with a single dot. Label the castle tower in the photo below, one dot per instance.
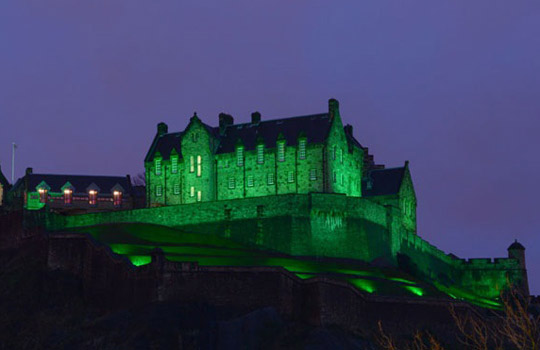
(517, 251)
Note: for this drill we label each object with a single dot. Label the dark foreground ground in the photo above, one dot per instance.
(42, 309)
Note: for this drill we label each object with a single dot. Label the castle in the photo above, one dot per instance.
(303, 186)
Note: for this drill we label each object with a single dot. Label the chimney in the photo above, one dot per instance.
(29, 171)
(333, 108)
(224, 120)
(348, 129)
(255, 118)
(162, 129)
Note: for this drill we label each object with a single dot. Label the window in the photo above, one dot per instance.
(199, 196)
(68, 196)
(43, 195)
(290, 176)
(281, 151)
(313, 174)
(195, 136)
(199, 166)
(302, 149)
(270, 178)
(250, 181)
(158, 166)
(334, 177)
(341, 156)
(117, 198)
(342, 179)
(176, 188)
(191, 164)
(159, 191)
(240, 156)
(232, 183)
(92, 197)
(174, 165)
(260, 154)
(192, 191)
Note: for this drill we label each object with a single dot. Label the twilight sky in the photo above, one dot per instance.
(451, 86)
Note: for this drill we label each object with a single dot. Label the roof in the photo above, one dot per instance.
(80, 183)
(314, 127)
(383, 182)
(3, 181)
(516, 245)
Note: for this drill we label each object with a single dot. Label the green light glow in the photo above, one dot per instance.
(364, 285)
(415, 290)
(139, 260)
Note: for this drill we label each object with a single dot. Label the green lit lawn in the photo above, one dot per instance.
(136, 241)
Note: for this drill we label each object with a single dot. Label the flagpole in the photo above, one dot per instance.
(13, 162)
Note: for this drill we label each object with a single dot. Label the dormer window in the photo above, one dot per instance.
(43, 194)
(199, 166)
(240, 156)
(158, 166)
(174, 165)
(302, 149)
(68, 196)
(194, 137)
(260, 154)
(117, 198)
(281, 151)
(92, 197)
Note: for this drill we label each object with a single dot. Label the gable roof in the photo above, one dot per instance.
(80, 183)
(315, 127)
(383, 182)
(3, 181)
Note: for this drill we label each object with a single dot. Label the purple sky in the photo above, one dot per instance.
(452, 86)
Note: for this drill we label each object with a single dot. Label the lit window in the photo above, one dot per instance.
(191, 164)
(92, 197)
(270, 178)
(199, 166)
(192, 191)
(117, 198)
(158, 166)
(290, 176)
(250, 181)
(176, 188)
(42, 195)
(159, 190)
(240, 156)
(260, 154)
(174, 165)
(232, 183)
(68, 196)
(199, 196)
(313, 174)
(302, 149)
(281, 151)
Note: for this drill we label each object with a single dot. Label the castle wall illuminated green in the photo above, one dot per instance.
(302, 186)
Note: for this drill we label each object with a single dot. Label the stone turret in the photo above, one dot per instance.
(517, 251)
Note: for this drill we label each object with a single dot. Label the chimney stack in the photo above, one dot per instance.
(162, 129)
(255, 118)
(333, 108)
(224, 120)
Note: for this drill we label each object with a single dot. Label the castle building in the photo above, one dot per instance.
(313, 153)
(72, 193)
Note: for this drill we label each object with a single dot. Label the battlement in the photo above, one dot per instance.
(488, 263)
